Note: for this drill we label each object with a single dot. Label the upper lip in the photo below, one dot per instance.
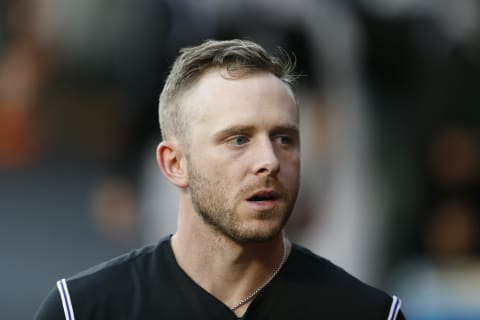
(264, 193)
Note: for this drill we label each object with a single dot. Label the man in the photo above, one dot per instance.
(230, 127)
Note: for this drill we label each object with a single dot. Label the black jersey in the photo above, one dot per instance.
(148, 284)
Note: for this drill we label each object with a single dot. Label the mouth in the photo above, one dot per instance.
(264, 196)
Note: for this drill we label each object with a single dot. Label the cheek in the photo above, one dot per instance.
(230, 164)
(290, 171)
(221, 173)
(291, 161)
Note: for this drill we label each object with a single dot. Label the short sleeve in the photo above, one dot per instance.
(400, 316)
(395, 313)
(51, 307)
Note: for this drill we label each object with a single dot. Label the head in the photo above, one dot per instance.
(238, 57)
(229, 123)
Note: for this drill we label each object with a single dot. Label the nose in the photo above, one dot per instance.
(266, 159)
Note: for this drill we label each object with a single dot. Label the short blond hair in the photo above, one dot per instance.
(238, 57)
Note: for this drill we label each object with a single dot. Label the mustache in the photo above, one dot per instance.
(265, 183)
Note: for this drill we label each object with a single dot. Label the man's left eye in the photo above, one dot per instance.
(284, 139)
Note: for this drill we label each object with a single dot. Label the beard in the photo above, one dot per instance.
(211, 201)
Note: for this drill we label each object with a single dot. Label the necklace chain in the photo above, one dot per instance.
(256, 291)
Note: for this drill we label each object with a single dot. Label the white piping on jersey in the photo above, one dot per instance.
(69, 315)
(394, 308)
(66, 302)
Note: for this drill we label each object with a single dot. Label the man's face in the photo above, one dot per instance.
(243, 157)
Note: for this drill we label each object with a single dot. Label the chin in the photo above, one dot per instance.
(257, 234)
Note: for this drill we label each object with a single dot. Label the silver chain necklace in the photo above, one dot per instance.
(256, 291)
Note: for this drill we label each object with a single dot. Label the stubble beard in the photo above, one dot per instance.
(221, 214)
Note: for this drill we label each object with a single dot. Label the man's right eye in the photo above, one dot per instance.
(238, 140)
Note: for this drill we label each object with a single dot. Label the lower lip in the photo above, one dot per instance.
(262, 205)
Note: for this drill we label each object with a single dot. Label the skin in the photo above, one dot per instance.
(244, 141)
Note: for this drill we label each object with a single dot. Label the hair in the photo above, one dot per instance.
(237, 57)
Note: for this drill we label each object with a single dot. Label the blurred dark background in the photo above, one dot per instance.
(390, 126)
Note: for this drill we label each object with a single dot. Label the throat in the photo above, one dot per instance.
(255, 292)
(234, 274)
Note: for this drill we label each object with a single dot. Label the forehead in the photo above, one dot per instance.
(260, 98)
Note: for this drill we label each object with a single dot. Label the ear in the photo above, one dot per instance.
(170, 161)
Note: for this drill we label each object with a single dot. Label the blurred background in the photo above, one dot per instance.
(389, 92)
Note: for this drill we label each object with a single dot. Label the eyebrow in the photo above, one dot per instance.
(240, 129)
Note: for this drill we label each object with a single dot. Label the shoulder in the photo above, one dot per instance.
(108, 283)
(326, 281)
(108, 272)
(320, 271)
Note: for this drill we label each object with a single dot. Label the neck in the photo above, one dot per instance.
(227, 270)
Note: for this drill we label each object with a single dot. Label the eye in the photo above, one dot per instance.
(284, 139)
(238, 140)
